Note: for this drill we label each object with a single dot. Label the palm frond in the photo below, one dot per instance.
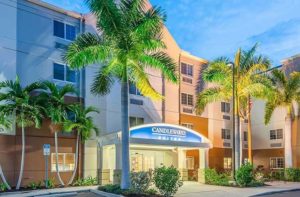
(269, 109)
(87, 49)
(103, 82)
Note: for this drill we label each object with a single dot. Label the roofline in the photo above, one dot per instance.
(188, 54)
(290, 58)
(56, 8)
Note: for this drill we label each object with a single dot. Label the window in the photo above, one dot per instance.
(135, 121)
(225, 107)
(276, 134)
(63, 73)
(188, 125)
(186, 69)
(226, 134)
(133, 89)
(190, 163)
(276, 162)
(187, 99)
(227, 162)
(245, 136)
(66, 162)
(64, 31)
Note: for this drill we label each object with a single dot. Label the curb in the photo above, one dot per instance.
(276, 192)
(105, 194)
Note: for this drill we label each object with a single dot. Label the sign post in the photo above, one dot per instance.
(46, 151)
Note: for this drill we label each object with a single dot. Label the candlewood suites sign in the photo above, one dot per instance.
(166, 133)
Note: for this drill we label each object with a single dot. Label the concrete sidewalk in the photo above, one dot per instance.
(191, 189)
(66, 190)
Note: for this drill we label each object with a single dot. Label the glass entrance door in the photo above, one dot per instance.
(140, 162)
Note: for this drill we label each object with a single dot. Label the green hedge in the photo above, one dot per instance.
(212, 177)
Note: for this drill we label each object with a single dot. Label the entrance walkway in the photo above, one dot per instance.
(195, 189)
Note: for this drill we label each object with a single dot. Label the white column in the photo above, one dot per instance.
(203, 158)
(181, 158)
(288, 142)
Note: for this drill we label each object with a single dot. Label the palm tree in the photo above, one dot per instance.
(130, 43)
(83, 124)
(248, 84)
(56, 109)
(285, 92)
(6, 123)
(21, 102)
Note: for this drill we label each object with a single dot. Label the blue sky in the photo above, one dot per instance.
(213, 28)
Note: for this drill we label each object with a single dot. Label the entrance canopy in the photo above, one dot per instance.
(160, 134)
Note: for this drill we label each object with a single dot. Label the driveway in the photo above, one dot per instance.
(194, 189)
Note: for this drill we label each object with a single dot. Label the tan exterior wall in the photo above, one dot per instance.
(200, 124)
(296, 141)
(262, 156)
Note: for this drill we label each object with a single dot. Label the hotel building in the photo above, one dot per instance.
(165, 132)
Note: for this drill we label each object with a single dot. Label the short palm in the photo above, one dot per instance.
(21, 103)
(285, 92)
(83, 122)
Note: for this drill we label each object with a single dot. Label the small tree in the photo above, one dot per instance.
(56, 109)
(140, 181)
(244, 175)
(83, 124)
(167, 180)
(21, 103)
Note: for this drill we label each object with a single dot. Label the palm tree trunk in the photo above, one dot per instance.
(125, 181)
(4, 179)
(237, 142)
(241, 142)
(288, 142)
(76, 160)
(56, 160)
(22, 158)
(249, 132)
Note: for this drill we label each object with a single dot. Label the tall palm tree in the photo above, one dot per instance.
(130, 42)
(248, 83)
(83, 124)
(56, 109)
(21, 102)
(285, 92)
(6, 123)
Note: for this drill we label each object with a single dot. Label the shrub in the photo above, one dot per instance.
(140, 181)
(259, 178)
(292, 174)
(212, 177)
(50, 183)
(34, 185)
(3, 187)
(151, 192)
(277, 175)
(167, 180)
(111, 188)
(244, 175)
(85, 181)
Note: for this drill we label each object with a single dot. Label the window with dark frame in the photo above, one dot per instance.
(135, 121)
(226, 134)
(245, 136)
(63, 73)
(187, 69)
(64, 31)
(276, 134)
(225, 107)
(134, 90)
(187, 99)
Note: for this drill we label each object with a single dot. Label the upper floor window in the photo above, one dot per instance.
(225, 107)
(187, 69)
(63, 73)
(187, 99)
(276, 134)
(64, 31)
(133, 89)
(226, 134)
(135, 121)
(276, 162)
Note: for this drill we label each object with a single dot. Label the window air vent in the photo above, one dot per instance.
(275, 145)
(187, 110)
(187, 80)
(60, 46)
(226, 144)
(225, 117)
(136, 102)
